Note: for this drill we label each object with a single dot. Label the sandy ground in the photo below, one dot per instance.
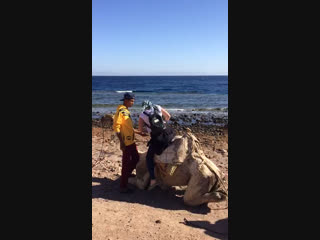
(155, 214)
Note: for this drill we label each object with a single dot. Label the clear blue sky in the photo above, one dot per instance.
(159, 37)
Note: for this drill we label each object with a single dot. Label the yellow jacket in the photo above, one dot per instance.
(122, 123)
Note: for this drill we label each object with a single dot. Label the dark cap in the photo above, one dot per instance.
(127, 95)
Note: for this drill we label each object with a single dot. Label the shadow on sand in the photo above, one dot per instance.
(108, 189)
(217, 230)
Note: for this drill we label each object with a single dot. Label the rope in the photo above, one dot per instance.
(101, 154)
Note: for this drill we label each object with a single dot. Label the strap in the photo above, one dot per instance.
(146, 113)
(156, 108)
(149, 120)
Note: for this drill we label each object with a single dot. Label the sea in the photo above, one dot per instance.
(177, 94)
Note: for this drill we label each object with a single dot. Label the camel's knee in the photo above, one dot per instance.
(191, 198)
(190, 202)
(198, 200)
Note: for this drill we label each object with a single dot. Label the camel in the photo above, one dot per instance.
(184, 164)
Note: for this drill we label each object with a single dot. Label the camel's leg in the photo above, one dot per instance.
(198, 191)
(143, 182)
(140, 182)
(197, 187)
(142, 176)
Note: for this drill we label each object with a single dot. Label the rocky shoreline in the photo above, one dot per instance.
(185, 118)
(198, 123)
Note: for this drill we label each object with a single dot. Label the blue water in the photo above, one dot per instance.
(178, 94)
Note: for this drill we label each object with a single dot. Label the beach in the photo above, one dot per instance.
(155, 214)
(173, 55)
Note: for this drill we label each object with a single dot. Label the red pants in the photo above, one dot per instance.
(130, 159)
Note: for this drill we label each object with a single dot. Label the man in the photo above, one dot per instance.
(123, 126)
(159, 140)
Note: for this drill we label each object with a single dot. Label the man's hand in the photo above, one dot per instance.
(144, 134)
(140, 132)
(122, 145)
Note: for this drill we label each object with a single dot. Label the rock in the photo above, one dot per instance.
(158, 221)
(221, 150)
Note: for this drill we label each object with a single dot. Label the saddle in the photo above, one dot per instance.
(175, 153)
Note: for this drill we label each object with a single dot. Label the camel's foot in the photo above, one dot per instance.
(215, 196)
(204, 198)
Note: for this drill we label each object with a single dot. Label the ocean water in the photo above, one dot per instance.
(177, 94)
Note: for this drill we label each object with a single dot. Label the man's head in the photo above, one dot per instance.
(128, 99)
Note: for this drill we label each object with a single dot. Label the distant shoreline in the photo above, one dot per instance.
(195, 75)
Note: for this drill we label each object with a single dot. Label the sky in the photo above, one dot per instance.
(159, 37)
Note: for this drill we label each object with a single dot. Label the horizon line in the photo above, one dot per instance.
(158, 75)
